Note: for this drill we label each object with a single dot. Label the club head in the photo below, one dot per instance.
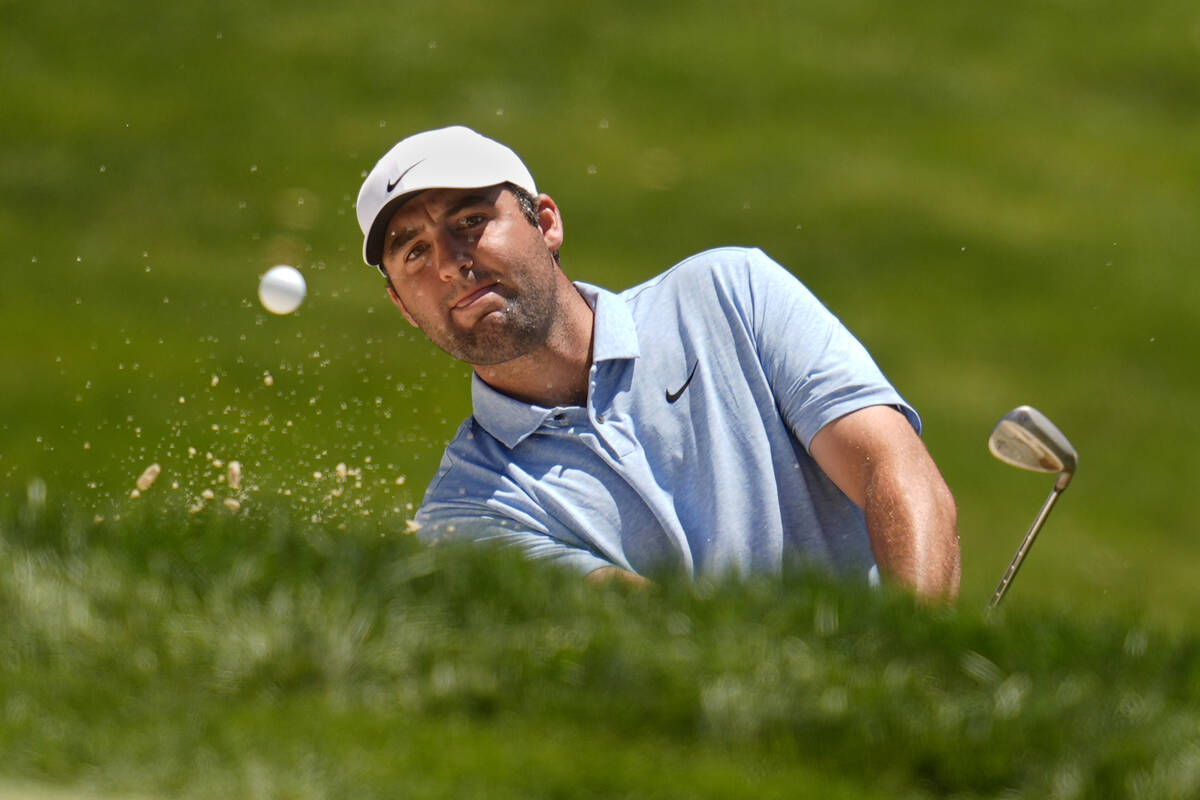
(1026, 438)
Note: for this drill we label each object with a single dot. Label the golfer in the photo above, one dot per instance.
(714, 419)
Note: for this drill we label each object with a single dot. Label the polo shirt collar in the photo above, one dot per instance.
(614, 337)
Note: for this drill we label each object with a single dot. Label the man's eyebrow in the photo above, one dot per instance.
(396, 241)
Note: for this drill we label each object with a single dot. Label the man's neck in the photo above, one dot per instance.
(556, 373)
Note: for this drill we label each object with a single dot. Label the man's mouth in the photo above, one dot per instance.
(477, 304)
(473, 297)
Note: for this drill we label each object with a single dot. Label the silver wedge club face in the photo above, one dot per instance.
(1026, 438)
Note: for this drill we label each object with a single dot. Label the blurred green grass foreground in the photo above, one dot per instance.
(206, 655)
(1000, 201)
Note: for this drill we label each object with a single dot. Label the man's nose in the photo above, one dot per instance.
(454, 254)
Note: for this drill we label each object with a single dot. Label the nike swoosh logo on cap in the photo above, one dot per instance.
(393, 184)
(673, 396)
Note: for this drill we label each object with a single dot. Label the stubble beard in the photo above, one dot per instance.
(521, 327)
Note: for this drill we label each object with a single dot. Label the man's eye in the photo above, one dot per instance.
(471, 221)
(415, 252)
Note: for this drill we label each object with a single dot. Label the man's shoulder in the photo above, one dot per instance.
(730, 268)
(473, 456)
(720, 261)
(730, 277)
(470, 442)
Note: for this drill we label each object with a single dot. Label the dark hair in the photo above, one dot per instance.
(528, 207)
(526, 201)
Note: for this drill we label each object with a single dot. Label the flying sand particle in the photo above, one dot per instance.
(148, 477)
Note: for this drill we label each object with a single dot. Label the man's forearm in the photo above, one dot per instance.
(912, 522)
(877, 459)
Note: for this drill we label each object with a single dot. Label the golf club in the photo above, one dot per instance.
(1026, 438)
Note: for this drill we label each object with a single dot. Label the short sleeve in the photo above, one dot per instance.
(817, 369)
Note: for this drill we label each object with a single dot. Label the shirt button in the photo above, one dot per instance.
(600, 418)
(559, 417)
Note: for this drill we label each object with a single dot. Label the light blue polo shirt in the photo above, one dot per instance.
(707, 385)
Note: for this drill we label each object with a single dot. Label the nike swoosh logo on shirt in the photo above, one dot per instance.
(393, 184)
(673, 396)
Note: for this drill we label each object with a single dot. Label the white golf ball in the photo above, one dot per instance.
(282, 289)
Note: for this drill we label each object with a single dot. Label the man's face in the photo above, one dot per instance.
(468, 268)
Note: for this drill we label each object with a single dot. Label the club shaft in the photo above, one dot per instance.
(1023, 550)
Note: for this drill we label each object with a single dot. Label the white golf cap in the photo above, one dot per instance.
(446, 158)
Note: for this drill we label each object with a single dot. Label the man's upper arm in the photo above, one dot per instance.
(848, 448)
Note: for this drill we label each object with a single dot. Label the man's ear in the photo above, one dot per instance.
(400, 305)
(550, 221)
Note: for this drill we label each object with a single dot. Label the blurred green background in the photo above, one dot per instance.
(1000, 201)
